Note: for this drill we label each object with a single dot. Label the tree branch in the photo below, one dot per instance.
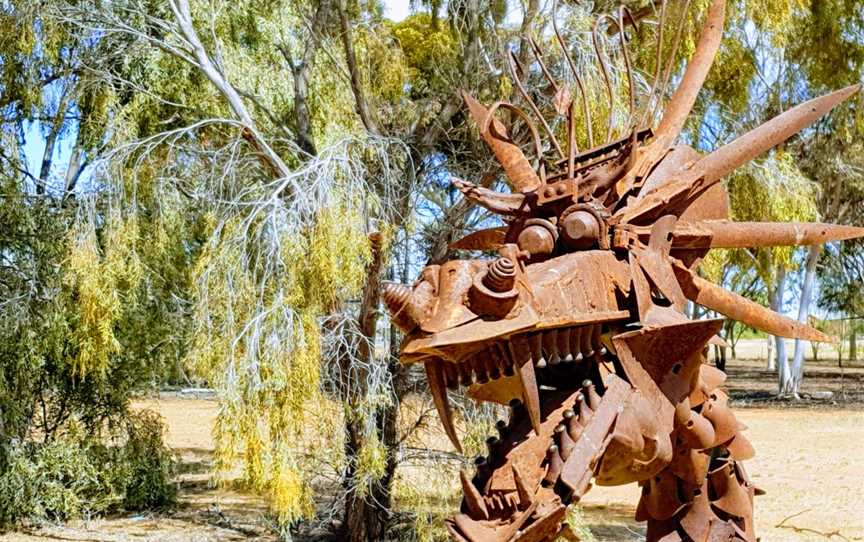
(360, 104)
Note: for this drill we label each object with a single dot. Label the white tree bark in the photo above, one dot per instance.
(202, 59)
(782, 360)
(797, 374)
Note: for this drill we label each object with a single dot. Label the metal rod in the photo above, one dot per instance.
(585, 109)
(514, 66)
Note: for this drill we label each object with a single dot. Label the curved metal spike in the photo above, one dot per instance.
(502, 204)
(519, 172)
(709, 295)
(681, 103)
(750, 145)
(435, 375)
(586, 111)
(515, 68)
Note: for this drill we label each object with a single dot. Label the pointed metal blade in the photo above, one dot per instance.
(521, 175)
(755, 142)
(709, 295)
(488, 239)
(520, 350)
(438, 388)
(681, 103)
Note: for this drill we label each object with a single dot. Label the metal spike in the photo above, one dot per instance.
(503, 429)
(437, 386)
(728, 234)
(493, 444)
(739, 308)
(574, 427)
(517, 410)
(530, 394)
(554, 465)
(585, 411)
(681, 103)
(564, 344)
(565, 443)
(535, 341)
(585, 347)
(755, 142)
(550, 346)
(591, 396)
(576, 341)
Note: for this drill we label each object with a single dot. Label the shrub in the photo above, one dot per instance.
(74, 475)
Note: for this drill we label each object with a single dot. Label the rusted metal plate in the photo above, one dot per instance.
(579, 467)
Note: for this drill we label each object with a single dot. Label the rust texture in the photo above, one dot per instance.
(575, 320)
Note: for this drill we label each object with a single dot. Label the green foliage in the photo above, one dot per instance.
(75, 475)
(430, 54)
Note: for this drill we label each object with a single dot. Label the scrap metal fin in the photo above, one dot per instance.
(473, 500)
(486, 239)
(755, 142)
(520, 173)
(681, 103)
(670, 354)
(736, 307)
(438, 388)
(498, 203)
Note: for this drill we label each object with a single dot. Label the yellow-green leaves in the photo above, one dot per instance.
(100, 278)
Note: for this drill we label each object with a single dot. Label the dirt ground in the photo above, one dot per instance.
(808, 461)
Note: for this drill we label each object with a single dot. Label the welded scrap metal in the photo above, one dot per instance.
(488, 239)
(578, 325)
(502, 204)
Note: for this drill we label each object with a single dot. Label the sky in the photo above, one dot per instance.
(396, 10)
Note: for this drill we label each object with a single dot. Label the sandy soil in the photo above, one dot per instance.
(808, 461)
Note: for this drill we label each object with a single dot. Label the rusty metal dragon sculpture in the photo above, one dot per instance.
(579, 324)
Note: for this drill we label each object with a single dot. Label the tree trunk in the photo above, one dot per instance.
(720, 359)
(782, 363)
(366, 515)
(771, 361)
(51, 142)
(803, 310)
(853, 342)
